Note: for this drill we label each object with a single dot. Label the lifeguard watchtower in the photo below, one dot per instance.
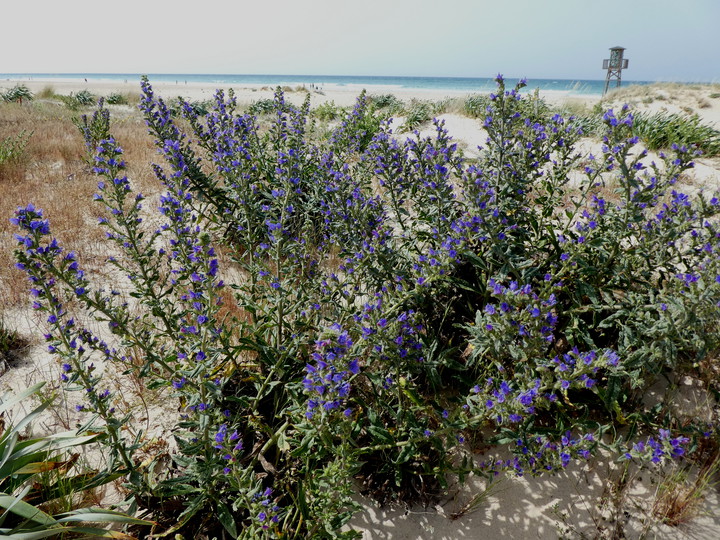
(614, 65)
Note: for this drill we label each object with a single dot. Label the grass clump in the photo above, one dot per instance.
(10, 342)
(40, 490)
(84, 98)
(17, 93)
(681, 493)
(116, 99)
(661, 130)
(13, 148)
(327, 111)
(47, 92)
(475, 106)
(417, 114)
(261, 107)
(76, 101)
(388, 102)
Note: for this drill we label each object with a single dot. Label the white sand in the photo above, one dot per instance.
(342, 95)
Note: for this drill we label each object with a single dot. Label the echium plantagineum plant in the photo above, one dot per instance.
(387, 302)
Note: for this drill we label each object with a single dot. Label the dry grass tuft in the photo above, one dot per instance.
(53, 175)
(680, 496)
(47, 92)
(454, 105)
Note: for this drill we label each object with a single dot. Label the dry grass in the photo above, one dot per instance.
(61, 475)
(680, 495)
(53, 175)
(46, 93)
(686, 96)
(574, 107)
(230, 312)
(666, 89)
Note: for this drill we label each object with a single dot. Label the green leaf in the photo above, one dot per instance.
(25, 510)
(31, 535)
(282, 443)
(100, 515)
(226, 518)
(20, 426)
(406, 453)
(6, 403)
(381, 433)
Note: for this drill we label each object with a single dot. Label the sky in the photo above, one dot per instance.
(668, 40)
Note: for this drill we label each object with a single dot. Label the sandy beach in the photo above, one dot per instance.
(341, 95)
(664, 97)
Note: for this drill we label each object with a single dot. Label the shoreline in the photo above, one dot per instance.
(343, 95)
(671, 98)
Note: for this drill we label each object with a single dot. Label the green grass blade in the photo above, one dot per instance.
(15, 398)
(26, 511)
(30, 535)
(100, 515)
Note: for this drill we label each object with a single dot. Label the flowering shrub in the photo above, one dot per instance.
(388, 301)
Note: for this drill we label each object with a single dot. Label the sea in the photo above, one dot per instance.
(462, 84)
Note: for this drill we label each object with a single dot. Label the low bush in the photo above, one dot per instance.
(47, 92)
(327, 111)
(197, 107)
(116, 99)
(390, 102)
(387, 305)
(476, 105)
(417, 114)
(17, 93)
(83, 98)
(262, 106)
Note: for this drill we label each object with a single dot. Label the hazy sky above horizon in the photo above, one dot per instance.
(665, 39)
